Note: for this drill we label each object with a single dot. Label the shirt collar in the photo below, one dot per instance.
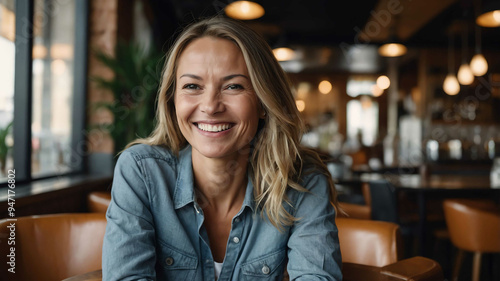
(184, 189)
(249, 196)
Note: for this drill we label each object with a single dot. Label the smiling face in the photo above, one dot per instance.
(216, 107)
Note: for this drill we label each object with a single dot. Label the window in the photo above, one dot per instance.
(49, 69)
(53, 53)
(362, 120)
(7, 55)
(362, 111)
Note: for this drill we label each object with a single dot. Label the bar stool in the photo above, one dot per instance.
(474, 226)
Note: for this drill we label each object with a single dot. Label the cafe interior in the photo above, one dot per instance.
(400, 98)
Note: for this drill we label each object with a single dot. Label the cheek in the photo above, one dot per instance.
(251, 113)
(181, 108)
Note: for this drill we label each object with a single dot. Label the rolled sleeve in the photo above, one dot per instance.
(129, 242)
(313, 246)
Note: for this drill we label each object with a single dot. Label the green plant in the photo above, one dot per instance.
(134, 86)
(4, 148)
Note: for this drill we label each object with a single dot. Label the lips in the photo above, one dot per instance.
(214, 127)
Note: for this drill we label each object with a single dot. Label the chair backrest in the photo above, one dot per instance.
(354, 211)
(52, 247)
(98, 201)
(383, 202)
(474, 225)
(367, 242)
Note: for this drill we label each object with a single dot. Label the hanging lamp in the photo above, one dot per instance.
(393, 47)
(244, 10)
(450, 84)
(465, 76)
(490, 16)
(282, 50)
(478, 63)
(383, 82)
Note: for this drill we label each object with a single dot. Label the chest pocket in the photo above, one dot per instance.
(173, 264)
(269, 267)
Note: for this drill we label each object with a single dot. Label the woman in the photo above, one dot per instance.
(222, 188)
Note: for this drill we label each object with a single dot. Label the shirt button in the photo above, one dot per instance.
(169, 261)
(266, 269)
(236, 240)
(237, 219)
(208, 261)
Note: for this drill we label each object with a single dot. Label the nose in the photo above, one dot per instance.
(212, 102)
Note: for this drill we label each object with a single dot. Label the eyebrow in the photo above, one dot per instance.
(192, 76)
(229, 77)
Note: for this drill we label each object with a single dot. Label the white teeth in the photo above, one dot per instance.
(213, 128)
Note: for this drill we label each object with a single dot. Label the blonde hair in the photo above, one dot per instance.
(278, 159)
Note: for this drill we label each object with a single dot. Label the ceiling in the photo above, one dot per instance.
(336, 25)
(329, 22)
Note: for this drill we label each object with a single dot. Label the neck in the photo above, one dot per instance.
(220, 183)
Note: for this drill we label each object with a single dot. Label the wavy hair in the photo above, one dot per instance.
(278, 160)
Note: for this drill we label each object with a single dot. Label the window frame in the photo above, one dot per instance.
(23, 91)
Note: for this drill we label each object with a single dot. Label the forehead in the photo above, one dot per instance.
(212, 51)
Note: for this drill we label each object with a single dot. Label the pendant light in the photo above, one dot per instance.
(393, 47)
(465, 76)
(490, 16)
(325, 87)
(450, 84)
(244, 10)
(282, 50)
(478, 64)
(284, 54)
(383, 82)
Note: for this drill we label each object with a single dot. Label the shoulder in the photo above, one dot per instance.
(314, 179)
(314, 182)
(313, 171)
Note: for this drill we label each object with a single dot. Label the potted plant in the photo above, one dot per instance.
(134, 86)
(4, 147)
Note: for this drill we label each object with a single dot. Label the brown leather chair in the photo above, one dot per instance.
(53, 247)
(355, 211)
(372, 250)
(474, 226)
(374, 243)
(98, 201)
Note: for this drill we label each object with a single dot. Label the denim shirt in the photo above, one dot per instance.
(155, 228)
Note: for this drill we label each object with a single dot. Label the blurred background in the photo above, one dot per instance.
(390, 87)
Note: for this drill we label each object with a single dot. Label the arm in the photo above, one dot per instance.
(313, 246)
(129, 243)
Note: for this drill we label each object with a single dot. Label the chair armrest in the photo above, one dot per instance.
(412, 269)
(359, 272)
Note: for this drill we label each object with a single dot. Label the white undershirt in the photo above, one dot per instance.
(218, 268)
